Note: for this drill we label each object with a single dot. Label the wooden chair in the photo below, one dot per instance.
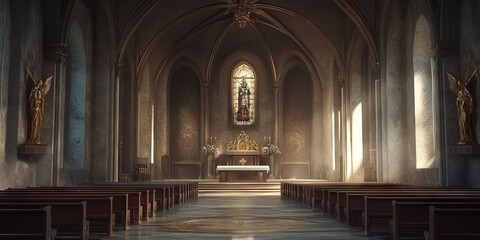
(143, 170)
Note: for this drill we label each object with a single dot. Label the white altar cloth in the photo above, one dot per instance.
(243, 168)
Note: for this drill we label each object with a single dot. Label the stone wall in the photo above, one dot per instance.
(22, 33)
(470, 39)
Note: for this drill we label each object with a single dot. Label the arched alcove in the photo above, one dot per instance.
(185, 128)
(423, 89)
(75, 106)
(297, 124)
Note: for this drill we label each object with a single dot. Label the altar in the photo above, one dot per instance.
(243, 173)
(242, 161)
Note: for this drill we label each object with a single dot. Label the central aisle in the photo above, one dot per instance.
(243, 214)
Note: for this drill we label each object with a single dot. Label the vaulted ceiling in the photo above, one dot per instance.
(319, 29)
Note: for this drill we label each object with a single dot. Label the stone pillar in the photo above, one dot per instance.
(378, 120)
(206, 112)
(275, 91)
(206, 122)
(55, 59)
(343, 122)
(276, 127)
(117, 151)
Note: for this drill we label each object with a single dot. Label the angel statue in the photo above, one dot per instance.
(36, 105)
(464, 105)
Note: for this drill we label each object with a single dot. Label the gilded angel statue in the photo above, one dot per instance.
(464, 105)
(36, 105)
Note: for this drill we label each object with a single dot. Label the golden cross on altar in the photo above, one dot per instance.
(242, 161)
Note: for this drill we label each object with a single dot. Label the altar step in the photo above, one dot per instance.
(238, 188)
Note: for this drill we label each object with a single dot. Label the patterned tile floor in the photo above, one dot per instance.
(241, 217)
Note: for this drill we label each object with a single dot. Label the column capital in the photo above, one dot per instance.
(118, 69)
(56, 52)
(276, 87)
(375, 65)
(341, 80)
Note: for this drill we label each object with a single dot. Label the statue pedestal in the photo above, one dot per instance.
(29, 151)
(210, 167)
(466, 150)
(272, 166)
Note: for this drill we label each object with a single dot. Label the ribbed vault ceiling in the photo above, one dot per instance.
(316, 28)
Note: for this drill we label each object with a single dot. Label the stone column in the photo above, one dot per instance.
(117, 143)
(55, 59)
(276, 127)
(206, 123)
(378, 120)
(343, 135)
(206, 111)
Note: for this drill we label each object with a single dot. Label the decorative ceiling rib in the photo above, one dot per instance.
(135, 18)
(255, 13)
(360, 21)
(170, 26)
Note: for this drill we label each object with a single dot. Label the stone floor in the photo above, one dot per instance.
(241, 215)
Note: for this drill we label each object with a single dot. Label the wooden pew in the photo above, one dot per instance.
(411, 219)
(355, 205)
(68, 219)
(340, 204)
(379, 210)
(135, 213)
(171, 192)
(323, 195)
(120, 199)
(13, 224)
(137, 199)
(99, 210)
(453, 223)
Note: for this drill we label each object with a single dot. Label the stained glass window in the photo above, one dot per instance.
(243, 95)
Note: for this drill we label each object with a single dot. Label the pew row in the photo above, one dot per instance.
(99, 211)
(68, 219)
(370, 205)
(453, 224)
(411, 219)
(12, 224)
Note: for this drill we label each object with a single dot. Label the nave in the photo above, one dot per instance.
(246, 213)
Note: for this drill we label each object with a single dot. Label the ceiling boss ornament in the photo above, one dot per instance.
(241, 11)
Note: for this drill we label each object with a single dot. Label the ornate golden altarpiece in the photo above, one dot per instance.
(242, 151)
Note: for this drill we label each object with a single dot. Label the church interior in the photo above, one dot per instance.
(287, 101)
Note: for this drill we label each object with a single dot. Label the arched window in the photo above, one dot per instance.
(423, 88)
(243, 95)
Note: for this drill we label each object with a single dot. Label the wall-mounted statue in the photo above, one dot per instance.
(36, 105)
(464, 105)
